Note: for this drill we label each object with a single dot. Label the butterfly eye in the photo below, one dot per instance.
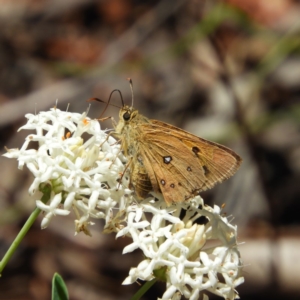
(126, 116)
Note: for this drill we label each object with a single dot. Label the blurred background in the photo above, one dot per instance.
(228, 71)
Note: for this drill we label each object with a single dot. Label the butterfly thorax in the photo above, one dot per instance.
(128, 129)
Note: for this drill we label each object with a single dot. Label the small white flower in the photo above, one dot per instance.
(51, 210)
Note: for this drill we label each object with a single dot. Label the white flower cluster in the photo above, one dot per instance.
(83, 175)
(196, 253)
(190, 246)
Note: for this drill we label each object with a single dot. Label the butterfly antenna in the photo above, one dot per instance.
(108, 102)
(131, 87)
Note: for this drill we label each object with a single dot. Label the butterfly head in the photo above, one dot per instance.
(127, 114)
(127, 117)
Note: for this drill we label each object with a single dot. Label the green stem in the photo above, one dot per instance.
(144, 288)
(46, 189)
(18, 239)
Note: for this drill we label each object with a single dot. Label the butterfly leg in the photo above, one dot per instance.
(107, 118)
(106, 139)
(124, 172)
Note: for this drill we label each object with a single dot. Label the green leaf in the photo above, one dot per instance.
(59, 289)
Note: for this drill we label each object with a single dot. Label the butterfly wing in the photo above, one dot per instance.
(180, 164)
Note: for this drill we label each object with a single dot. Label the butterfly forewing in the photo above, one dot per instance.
(172, 175)
(182, 163)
